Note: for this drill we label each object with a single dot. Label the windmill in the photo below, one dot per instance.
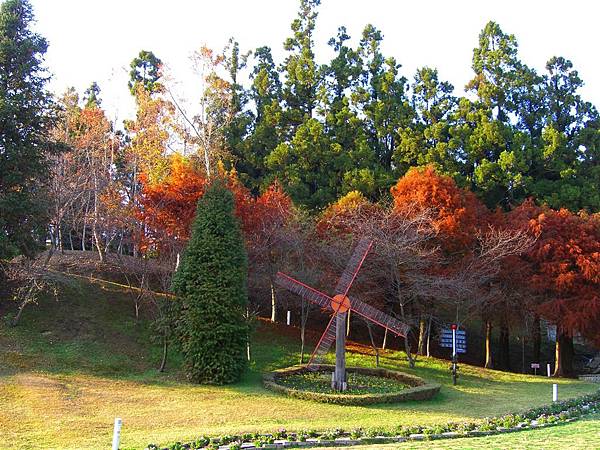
(339, 305)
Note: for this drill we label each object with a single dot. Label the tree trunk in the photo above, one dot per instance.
(429, 337)
(83, 233)
(385, 334)
(373, 345)
(407, 349)
(504, 348)
(302, 328)
(97, 241)
(71, 239)
(563, 366)
(16, 319)
(422, 332)
(537, 339)
(273, 302)
(488, 345)
(163, 362)
(60, 240)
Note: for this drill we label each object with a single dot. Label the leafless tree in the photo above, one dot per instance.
(29, 282)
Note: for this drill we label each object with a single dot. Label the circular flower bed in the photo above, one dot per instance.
(365, 385)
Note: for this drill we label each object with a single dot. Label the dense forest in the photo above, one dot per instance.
(482, 203)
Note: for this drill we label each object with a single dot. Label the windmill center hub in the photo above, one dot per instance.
(340, 303)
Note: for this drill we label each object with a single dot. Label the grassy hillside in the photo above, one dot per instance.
(71, 366)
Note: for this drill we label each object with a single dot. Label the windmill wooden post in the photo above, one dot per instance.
(339, 305)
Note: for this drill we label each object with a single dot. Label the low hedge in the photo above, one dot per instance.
(419, 390)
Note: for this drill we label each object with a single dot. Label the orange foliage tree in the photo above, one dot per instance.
(167, 208)
(265, 230)
(564, 269)
(458, 213)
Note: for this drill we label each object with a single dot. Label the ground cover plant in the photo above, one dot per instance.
(357, 383)
(75, 364)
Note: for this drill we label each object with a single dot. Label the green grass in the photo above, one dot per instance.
(583, 434)
(74, 365)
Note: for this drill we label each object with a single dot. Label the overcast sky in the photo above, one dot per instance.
(96, 40)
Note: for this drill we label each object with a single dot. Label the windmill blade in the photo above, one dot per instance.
(303, 290)
(379, 317)
(327, 338)
(356, 261)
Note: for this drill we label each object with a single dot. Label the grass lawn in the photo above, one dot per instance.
(74, 365)
(583, 434)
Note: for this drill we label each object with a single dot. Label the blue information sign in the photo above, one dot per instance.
(461, 340)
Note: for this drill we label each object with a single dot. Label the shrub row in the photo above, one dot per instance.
(555, 413)
(419, 390)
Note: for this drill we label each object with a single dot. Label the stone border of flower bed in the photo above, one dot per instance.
(554, 414)
(419, 390)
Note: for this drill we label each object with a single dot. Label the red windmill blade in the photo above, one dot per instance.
(353, 266)
(340, 303)
(323, 345)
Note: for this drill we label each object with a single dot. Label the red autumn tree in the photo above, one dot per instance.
(565, 274)
(458, 213)
(167, 208)
(266, 228)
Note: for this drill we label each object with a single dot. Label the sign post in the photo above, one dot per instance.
(454, 367)
(456, 340)
(535, 367)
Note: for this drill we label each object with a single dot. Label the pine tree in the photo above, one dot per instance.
(211, 285)
(24, 122)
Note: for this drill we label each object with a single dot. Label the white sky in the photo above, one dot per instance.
(95, 40)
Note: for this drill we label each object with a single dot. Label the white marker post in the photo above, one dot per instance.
(555, 392)
(453, 342)
(289, 317)
(116, 434)
(548, 367)
(454, 327)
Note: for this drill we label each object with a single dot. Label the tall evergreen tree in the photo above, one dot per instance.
(427, 140)
(495, 155)
(381, 97)
(25, 115)
(91, 96)
(211, 285)
(145, 70)
(358, 166)
(266, 125)
(300, 68)
(566, 171)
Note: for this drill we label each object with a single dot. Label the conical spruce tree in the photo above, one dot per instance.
(211, 284)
